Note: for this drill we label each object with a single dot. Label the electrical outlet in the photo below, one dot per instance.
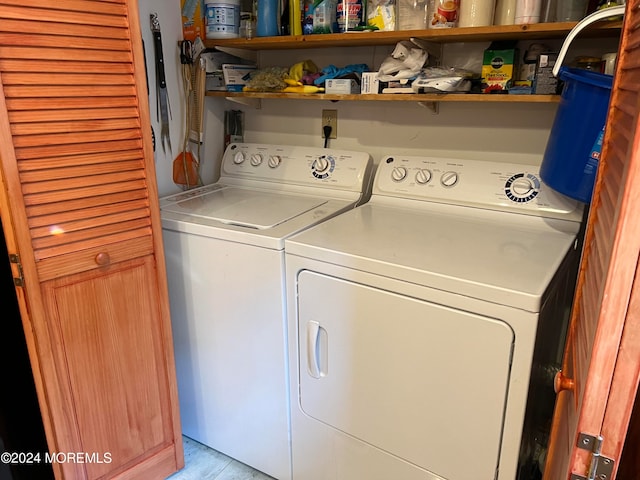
(330, 118)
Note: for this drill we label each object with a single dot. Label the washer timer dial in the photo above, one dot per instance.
(522, 187)
(323, 166)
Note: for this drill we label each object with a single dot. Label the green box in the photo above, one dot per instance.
(499, 69)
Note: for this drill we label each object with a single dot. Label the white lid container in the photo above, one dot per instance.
(222, 18)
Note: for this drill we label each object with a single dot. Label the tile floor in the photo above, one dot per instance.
(203, 463)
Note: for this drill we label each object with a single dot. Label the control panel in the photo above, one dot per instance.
(483, 184)
(294, 165)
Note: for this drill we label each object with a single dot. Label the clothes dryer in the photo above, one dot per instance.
(425, 325)
(225, 265)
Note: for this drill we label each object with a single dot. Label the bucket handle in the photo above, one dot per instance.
(586, 21)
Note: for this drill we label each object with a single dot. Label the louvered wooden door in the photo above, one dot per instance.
(602, 358)
(79, 207)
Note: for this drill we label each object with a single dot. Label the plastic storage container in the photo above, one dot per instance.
(222, 19)
(267, 18)
(571, 157)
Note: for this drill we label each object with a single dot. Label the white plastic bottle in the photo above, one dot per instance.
(222, 18)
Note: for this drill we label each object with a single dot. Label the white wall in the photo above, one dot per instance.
(170, 25)
(510, 132)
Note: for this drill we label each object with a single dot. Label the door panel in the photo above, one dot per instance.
(119, 351)
(53, 139)
(398, 372)
(79, 207)
(595, 361)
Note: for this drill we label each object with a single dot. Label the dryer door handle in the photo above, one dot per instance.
(316, 349)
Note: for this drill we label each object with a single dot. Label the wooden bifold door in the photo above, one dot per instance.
(79, 208)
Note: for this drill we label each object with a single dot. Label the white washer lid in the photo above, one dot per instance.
(244, 207)
(504, 258)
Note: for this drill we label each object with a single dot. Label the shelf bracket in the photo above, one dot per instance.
(248, 102)
(433, 106)
(249, 55)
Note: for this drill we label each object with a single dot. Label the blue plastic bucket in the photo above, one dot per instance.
(570, 160)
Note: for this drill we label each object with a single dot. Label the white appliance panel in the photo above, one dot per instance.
(225, 262)
(487, 185)
(420, 381)
(488, 255)
(245, 207)
(228, 328)
(441, 242)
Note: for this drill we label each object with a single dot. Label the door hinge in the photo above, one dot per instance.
(15, 259)
(601, 467)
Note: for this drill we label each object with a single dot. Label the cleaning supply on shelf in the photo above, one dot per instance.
(381, 14)
(267, 18)
(222, 18)
(350, 15)
(296, 11)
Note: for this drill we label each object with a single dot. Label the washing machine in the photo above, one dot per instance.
(225, 265)
(425, 325)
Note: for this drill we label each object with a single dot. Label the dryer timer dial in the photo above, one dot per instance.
(522, 187)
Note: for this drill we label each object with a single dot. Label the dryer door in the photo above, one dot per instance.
(422, 382)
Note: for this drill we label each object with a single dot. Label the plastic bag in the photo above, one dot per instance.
(381, 14)
(442, 79)
(405, 61)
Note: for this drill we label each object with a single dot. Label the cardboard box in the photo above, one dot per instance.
(342, 86)
(192, 19)
(370, 83)
(215, 81)
(499, 70)
(544, 83)
(236, 76)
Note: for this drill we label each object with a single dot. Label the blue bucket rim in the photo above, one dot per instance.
(595, 79)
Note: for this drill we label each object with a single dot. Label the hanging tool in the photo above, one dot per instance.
(162, 97)
(146, 74)
(185, 166)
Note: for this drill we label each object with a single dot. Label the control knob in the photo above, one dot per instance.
(238, 158)
(274, 161)
(449, 179)
(522, 186)
(398, 174)
(256, 159)
(321, 164)
(423, 176)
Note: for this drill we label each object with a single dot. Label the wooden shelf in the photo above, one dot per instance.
(536, 31)
(394, 97)
(444, 35)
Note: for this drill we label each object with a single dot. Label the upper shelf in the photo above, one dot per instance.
(441, 35)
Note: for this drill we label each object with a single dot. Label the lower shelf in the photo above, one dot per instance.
(392, 97)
